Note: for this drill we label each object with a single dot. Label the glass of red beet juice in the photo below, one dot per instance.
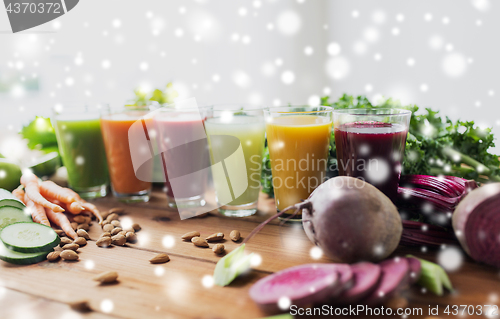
(370, 145)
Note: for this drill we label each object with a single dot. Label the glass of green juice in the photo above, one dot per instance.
(236, 137)
(80, 142)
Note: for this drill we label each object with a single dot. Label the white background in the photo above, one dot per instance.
(441, 54)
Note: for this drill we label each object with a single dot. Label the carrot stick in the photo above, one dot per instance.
(30, 182)
(88, 206)
(19, 193)
(74, 208)
(62, 221)
(52, 190)
(91, 207)
(37, 211)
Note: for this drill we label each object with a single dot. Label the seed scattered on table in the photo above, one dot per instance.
(200, 242)
(190, 235)
(136, 227)
(104, 223)
(79, 219)
(84, 226)
(118, 240)
(104, 242)
(159, 259)
(71, 246)
(106, 234)
(108, 228)
(215, 237)
(115, 231)
(115, 223)
(80, 306)
(80, 241)
(65, 241)
(74, 225)
(131, 237)
(54, 256)
(83, 233)
(60, 233)
(235, 235)
(107, 277)
(69, 255)
(218, 249)
(112, 216)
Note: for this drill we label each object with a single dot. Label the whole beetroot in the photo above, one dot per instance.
(351, 220)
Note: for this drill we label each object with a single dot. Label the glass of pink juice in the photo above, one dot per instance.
(370, 145)
(181, 132)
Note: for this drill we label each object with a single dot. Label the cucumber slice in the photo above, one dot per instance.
(14, 257)
(29, 237)
(10, 215)
(7, 199)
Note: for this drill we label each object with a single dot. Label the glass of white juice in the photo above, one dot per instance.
(236, 137)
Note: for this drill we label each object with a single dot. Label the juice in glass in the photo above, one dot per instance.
(298, 140)
(183, 129)
(246, 124)
(82, 150)
(115, 131)
(370, 146)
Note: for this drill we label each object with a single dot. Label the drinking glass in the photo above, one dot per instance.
(236, 137)
(298, 138)
(370, 145)
(125, 184)
(184, 152)
(78, 132)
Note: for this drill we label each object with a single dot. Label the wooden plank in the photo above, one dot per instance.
(172, 290)
(178, 292)
(18, 305)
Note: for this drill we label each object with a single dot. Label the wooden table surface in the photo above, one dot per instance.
(175, 289)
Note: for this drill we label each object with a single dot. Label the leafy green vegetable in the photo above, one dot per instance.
(434, 146)
(143, 99)
(231, 266)
(433, 277)
(40, 134)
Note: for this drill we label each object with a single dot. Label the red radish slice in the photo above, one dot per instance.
(415, 268)
(302, 285)
(394, 277)
(366, 278)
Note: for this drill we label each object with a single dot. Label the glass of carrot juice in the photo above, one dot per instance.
(298, 138)
(115, 126)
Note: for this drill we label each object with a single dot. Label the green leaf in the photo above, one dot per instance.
(39, 133)
(433, 277)
(231, 266)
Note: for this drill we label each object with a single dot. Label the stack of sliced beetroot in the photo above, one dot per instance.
(341, 284)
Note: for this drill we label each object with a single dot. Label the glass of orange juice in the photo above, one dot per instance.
(298, 138)
(115, 126)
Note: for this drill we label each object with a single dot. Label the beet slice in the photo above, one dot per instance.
(395, 276)
(366, 278)
(415, 268)
(346, 278)
(303, 285)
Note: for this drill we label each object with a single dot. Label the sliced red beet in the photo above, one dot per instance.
(395, 276)
(303, 285)
(346, 278)
(366, 278)
(415, 268)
